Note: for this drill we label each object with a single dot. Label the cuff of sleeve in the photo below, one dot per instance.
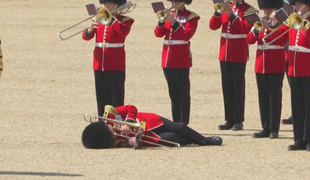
(255, 32)
(175, 25)
(161, 24)
(130, 120)
(112, 21)
(217, 14)
(273, 27)
(232, 18)
(88, 34)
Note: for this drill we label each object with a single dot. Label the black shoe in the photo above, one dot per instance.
(273, 135)
(226, 126)
(287, 121)
(308, 147)
(297, 146)
(261, 134)
(215, 140)
(237, 126)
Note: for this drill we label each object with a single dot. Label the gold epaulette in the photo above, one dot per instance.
(250, 10)
(192, 15)
(126, 18)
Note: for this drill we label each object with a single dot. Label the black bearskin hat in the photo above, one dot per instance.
(263, 4)
(188, 2)
(292, 2)
(119, 2)
(97, 135)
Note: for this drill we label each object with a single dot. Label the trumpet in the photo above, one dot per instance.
(138, 135)
(258, 25)
(294, 21)
(162, 13)
(219, 6)
(103, 16)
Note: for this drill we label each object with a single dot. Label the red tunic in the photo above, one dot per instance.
(130, 112)
(269, 58)
(110, 58)
(178, 55)
(233, 45)
(299, 53)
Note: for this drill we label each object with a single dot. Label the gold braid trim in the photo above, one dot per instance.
(126, 18)
(250, 10)
(192, 15)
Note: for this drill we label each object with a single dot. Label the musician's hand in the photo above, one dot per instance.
(125, 129)
(170, 17)
(273, 19)
(227, 8)
(92, 26)
(132, 141)
(265, 23)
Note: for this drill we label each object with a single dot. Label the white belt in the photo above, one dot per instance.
(109, 45)
(267, 47)
(174, 42)
(233, 36)
(299, 49)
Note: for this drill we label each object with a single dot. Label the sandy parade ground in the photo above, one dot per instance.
(48, 85)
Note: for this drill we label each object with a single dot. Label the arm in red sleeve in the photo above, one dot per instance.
(215, 22)
(122, 27)
(160, 30)
(282, 31)
(128, 112)
(252, 37)
(240, 23)
(186, 31)
(86, 36)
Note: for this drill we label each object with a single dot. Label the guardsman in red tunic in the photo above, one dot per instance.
(98, 135)
(299, 72)
(269, 68)
(109, 56)
(233, 57)
(177, 29)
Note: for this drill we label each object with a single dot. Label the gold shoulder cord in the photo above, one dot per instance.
(126, 18)
(1, 61)
(250, 10)
(193, 15)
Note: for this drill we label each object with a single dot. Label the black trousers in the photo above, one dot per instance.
(288, 77)
(179, 92)
(300, 98)
(270, 100)
(233, 86)
(178, 132)
(110, 89)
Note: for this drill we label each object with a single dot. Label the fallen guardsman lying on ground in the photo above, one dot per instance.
(124, 126)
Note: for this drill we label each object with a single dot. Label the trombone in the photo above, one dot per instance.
(294, 21)
(138, 135)
(161, 14)
(103, 16)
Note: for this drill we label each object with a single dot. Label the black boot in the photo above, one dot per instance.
(215, 140)
(228, 125)
(288, 120)
(298, 145)
(261, 134)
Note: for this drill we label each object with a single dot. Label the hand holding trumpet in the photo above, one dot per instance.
(93, 25)
(227, 9)
(170, 17)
